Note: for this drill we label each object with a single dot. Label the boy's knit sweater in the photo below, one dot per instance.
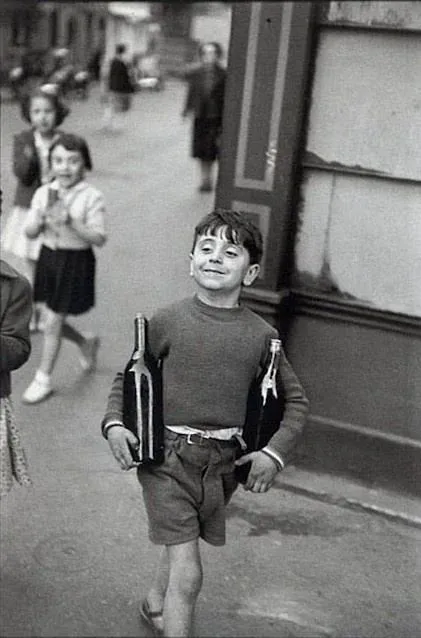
(210, 357)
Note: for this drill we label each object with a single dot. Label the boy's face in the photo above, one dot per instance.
(42, 114)
(67, 166)
(218, 265)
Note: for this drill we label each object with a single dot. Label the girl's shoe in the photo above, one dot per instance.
(89, 354)
(39, 389)
(148, 617)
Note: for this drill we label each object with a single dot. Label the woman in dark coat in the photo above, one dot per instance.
(205, 99)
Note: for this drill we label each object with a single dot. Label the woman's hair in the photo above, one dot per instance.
(61, 109)
(219, 51)
(73, 142)
(239, 230)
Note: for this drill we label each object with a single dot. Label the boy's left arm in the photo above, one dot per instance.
(296, 409)
(266, 463)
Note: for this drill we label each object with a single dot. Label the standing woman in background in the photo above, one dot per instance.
(205, 99)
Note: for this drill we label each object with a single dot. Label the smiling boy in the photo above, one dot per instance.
(212, 348)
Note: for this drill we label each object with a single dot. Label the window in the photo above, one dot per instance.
(21, 27)
(53, 28)
(89, 19)
(71, 31)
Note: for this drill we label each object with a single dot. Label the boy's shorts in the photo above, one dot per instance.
(185, 497)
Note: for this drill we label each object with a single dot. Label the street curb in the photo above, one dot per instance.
(352, 503)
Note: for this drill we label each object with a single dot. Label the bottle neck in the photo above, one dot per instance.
(140, 334)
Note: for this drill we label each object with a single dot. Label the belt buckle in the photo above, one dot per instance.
(201, 437)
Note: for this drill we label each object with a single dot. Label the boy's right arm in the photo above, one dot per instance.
(25, 160)
(119, 438)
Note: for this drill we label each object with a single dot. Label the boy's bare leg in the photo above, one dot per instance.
(158, 589)
(184, 585)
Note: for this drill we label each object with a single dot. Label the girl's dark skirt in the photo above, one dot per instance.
(65, 280)
(206, 138)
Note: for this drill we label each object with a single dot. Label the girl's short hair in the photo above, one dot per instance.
(239, 230)
(73, 142)
(61, 109)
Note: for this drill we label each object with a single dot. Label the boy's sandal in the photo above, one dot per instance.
(148, 617)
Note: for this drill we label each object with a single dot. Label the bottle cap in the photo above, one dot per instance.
(275, 345)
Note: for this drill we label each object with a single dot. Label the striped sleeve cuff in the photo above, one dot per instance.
(280, 463)
(110, 424)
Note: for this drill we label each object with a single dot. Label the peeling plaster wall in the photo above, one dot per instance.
(360, 226)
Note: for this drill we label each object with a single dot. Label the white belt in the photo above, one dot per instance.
(223, 434)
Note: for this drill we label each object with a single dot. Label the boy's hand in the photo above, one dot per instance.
(262, 472)
(120, 440)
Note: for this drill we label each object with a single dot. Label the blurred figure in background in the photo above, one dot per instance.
(15, 348)
(119, 88)
(94, 64)
(205, 100)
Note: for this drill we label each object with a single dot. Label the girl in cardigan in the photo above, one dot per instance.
(45, 112)
(68, 214)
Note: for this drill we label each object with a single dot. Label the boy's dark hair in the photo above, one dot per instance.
(120, 49)
(73, 142)
(240, 230)
(62, 111)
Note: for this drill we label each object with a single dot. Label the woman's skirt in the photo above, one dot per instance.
(12, 455)
(65, 280)
(14, 239)
(206, 139)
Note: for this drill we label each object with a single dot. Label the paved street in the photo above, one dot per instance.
(75, 559)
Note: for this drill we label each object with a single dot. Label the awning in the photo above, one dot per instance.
(132, 11)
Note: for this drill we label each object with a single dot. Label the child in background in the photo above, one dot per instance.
(68, 214)
(45, 113)
(212, 348)
(15, 347)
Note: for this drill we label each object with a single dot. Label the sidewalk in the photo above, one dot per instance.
(344, 492)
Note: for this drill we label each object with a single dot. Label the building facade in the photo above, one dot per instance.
(35, 26)
(324, 150)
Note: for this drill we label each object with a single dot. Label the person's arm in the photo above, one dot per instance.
(35, 222)
(25, 160)
(93, 229)
(296, 409)
(266, 463)
(120, 439)
(15, 344)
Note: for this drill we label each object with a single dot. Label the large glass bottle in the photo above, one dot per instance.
(265, 407)
(142, 398)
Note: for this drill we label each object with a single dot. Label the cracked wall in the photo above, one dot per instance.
(360, 224)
